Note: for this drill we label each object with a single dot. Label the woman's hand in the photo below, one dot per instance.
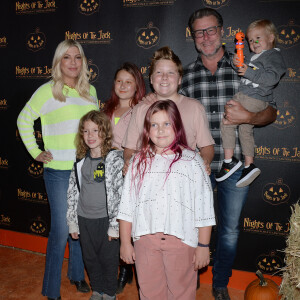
(201, 258)
(127, 253)
(110, 238)
(44, 157)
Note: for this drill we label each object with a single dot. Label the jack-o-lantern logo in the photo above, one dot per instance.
(3, 42)
(288, 35)
(286, 116)
(35, 169)
(35, 41)
(215, 4)
(276, 193)
(269, 263)
(38, 226)
(94, 71)
(88, 7)
(148, 37)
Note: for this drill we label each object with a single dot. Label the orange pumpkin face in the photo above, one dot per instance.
(262, 289)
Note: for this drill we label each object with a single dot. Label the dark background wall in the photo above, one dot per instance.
(114, 31)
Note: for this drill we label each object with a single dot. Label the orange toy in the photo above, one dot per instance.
(239, 46)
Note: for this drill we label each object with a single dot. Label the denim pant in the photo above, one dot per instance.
(57, 183)
(230, 202)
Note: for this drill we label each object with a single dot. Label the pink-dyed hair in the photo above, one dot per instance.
(147, 152)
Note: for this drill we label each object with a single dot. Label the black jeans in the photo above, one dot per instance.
(100, 256)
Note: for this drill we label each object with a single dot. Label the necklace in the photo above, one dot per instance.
(71, 87)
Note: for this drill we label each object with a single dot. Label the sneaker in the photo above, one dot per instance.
(96, 296)
(220, 293)
(248, 175)
(228, 169)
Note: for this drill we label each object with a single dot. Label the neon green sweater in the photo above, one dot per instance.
(59, 124)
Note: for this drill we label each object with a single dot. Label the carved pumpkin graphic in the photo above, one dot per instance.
(276, 193)
(38, 226)
(88, 7)
(286, 116)
(94, 71)
(288, 35)
(148, 37)
(215, 4)
(35, 169)
(36, 40)
(269, 263)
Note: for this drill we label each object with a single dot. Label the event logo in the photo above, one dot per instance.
(148, 37)
(3, 163)
(5, 220)
(3, 42)
(286, 116)
(145, 71)
(94, 71)
(35, 40)
(276, 193)
(35, 7)
(229, 34)
(278, 153)
(288, 35)
(141, 3)
(25, 195)
(88, 7)
(90, 37)
(269, 263)
(292, 75)
(33, 72)
(38, 226)
(35, 169)
(215, 3)
(3, 104)
(266, 227)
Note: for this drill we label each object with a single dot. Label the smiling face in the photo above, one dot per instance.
(71, 65)
(165, 79)
(161, 131)
(125, 86)
(91, 136)
(259, 39)
(208, 45)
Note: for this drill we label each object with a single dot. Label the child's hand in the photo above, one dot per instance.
(207, 166)
(150, 98)
(236, 60)
(127, 253)
(201, 258)
(74, 235)
(242, 70)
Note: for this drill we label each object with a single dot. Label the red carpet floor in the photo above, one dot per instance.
(21, 275)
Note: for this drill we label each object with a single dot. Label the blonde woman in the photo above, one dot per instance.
(59, 103)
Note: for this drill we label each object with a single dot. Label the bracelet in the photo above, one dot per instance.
(203, 245)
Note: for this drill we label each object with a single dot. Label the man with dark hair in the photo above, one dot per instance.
(212, 81)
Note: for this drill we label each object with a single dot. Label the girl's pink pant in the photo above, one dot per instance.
(164, 268)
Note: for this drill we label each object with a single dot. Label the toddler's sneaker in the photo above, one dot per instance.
(228, 169)
(248, 175)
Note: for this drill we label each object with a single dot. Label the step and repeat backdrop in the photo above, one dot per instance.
(112, 32)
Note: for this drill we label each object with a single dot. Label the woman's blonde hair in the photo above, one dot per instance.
(105, 133)
(82, 84)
